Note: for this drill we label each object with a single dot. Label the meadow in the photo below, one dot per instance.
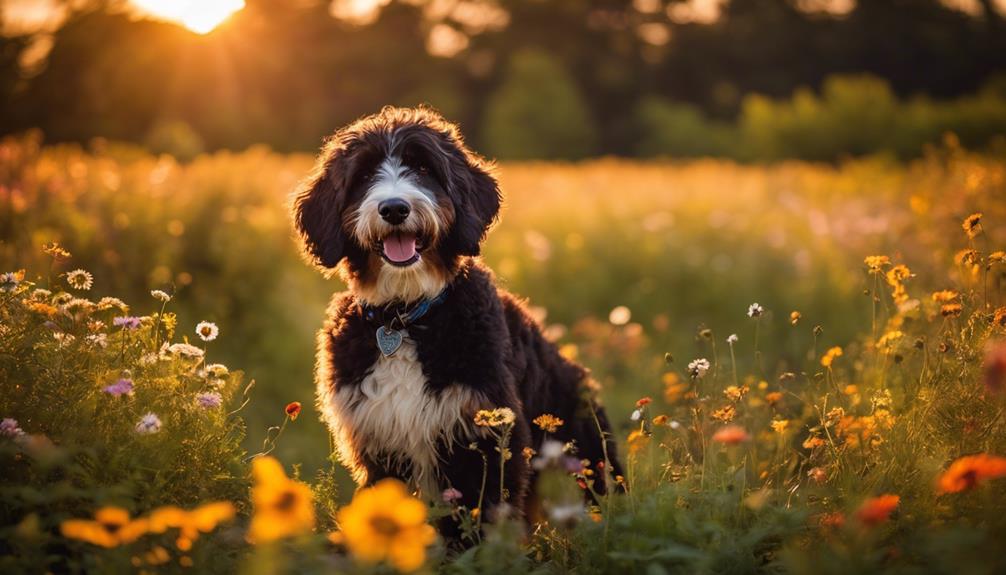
(803, 364)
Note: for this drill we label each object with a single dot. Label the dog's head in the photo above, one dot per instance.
(394, 202)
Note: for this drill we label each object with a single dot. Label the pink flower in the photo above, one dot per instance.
(121, 387)
(450, 495)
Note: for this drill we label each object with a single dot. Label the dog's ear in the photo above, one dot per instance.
(477, 199)
(318, 205)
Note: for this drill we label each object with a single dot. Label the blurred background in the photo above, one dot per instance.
(703, 155)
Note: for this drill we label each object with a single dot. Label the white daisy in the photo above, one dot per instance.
(80, 279)
(698, 367)
(185, 350)
(755, 310)
(732, 339)
(160, 295)
(207, 331)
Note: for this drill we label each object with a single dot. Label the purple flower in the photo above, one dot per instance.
(10, 428)
(127, 322)
(121, 387)
(450, 495)
(209, 400)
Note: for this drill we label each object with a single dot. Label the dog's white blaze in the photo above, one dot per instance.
(393, 180)
(390, 415)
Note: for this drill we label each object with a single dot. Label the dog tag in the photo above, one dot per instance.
(389, 340)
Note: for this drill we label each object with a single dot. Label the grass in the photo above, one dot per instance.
(635, 269)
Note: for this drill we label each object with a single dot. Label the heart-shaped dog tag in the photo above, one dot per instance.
(389, 340)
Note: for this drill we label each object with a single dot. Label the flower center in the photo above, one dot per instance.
(286, 501)
(384, 525)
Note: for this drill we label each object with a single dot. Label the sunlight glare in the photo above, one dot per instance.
(200, 16)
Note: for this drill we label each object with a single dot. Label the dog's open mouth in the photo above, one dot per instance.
(402, 248)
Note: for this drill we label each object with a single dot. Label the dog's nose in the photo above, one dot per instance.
(394, 211)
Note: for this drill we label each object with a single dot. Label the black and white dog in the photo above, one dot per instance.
(423, 339)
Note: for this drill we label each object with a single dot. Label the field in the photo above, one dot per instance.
(848, 316)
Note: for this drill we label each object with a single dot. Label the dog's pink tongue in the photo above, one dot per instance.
(400, 247)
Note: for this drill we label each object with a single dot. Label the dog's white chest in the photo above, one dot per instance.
(394, 419)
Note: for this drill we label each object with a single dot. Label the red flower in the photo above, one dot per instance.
(643, 401)
(877, 510)
(293, 409)
(971, 471)
(731, 435)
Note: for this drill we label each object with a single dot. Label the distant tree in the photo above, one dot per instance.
(538, 112)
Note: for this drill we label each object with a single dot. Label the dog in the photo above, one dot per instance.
(423, 339)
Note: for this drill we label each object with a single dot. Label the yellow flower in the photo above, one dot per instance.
(385, 523)
(735, 393)
(661, 420)
(997, 257)
(283, 506)
(548, 422)
(999, 316)
(945, 296)
(725, 414)
(967, 256)
(111, 527)
(951, 310)
(830, 356)
(973, 224)
(637, 441)
(889, 340)
(794, 317)
(877, 263)
(779, 425)
(498, 417)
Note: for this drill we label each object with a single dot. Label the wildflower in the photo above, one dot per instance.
(755, 310)
(450, 495)
(818, 474)
(732, 338)
(112, 302)
(731, 435)
(889, 340)
(9, 428)
(734, 393)
(951, 310)
(877, 510)
(548, 422)
(207, 331)
(637, 441)
(9, 281)
(185, 350)
(97, 340)
(644, 401)
(945, 296)
(385, 523)
(997, 257)
(80, 279)
(283, 506)
(970, 471)
(111, 527)
(292, 410)
(620, 315)
(190, 524)
(794, 317)
(636, 415)
(726, 414)
(779, 425)
(830, 356)
(217, 370)
(499, 417)
(528, 454)
(999, 316)
(697, 368)
(972, 224)
(967, 256)
(876, 263)
(706, 333)
(674, 388)
(209, 400)
(160, 295)
(56, 251)
(121, 387)
(148, 424)
(813, 441)
(661, 420)
(127, 322)
(567, 514)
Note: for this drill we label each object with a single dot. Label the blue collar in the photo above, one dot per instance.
(395, 316)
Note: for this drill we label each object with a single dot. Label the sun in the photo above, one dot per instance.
(200, 16)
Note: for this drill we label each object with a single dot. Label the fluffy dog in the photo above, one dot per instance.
(423, 339)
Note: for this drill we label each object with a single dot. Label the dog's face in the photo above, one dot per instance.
(395, 200)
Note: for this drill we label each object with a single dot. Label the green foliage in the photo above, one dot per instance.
(538, 112)
(680, 131)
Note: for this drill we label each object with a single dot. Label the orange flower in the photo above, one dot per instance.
(293, 409)
(643, 401)
(637, 441)
(731, 435)
(951, 309)
(773, 397)
(877, 510)
(970, 471)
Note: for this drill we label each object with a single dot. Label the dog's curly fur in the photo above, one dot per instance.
(410, 415)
